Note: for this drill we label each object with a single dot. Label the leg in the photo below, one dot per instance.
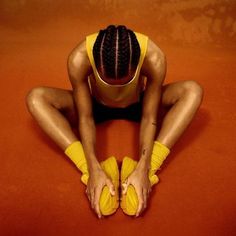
(46, 106)
(185, 98)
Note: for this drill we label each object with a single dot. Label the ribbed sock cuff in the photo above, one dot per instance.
(76, 153)
(159, 154)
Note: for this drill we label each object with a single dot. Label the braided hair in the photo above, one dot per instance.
(116, 52)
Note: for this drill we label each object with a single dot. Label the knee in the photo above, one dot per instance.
(34, 98)
(194, 90)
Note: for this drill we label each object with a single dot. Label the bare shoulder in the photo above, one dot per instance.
(154, 51)
(78, 62)
(154, 61)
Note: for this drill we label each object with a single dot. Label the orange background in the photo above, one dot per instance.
(40, 189)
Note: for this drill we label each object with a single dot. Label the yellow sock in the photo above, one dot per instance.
(129, 201)
(76, 153)
(108, 203)
(159, 154)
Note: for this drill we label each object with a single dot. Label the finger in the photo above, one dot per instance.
(145, 196)
(96, 202)
(140, 202)
(111, 187)
(92, 198)
(87, 193)
(150, 190)
(125, 186)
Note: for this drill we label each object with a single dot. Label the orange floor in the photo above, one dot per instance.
(40, 190)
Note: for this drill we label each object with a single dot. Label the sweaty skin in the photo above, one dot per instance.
(47, 103)
(154, 68)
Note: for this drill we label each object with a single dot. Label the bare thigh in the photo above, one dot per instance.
(63, 101)
(172, 92)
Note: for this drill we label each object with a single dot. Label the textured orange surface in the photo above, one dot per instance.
(40, 189)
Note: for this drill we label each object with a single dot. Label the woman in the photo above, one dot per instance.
(115, 74)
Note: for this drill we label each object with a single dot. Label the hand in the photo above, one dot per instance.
(140, 180)
(97, 180)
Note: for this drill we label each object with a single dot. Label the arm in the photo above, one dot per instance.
(155, 70)
(154, 67)
(79, 68)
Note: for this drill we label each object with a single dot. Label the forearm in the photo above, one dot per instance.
(147, 136)
(87, 130)
(154, 68)
(86, 125)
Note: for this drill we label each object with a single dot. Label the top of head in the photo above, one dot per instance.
(116, 53)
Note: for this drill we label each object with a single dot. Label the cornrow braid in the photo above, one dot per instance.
(116, 51)
(98, 46)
